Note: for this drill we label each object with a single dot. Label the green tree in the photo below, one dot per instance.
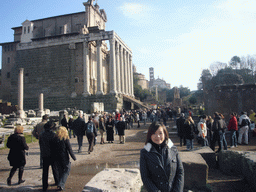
(192, 100)
(234, 62)
(184, 91)
(169, 95)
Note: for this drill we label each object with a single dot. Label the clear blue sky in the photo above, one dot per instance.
(178, 38)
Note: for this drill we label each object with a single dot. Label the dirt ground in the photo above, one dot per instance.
(127, 155)
(129, 152)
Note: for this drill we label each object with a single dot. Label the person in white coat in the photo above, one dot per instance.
(202, 128)
(244, 122)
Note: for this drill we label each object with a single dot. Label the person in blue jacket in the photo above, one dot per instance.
(160, 165)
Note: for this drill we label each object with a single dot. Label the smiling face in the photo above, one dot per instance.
(158, 137)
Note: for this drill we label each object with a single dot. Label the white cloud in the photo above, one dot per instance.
(136, 11)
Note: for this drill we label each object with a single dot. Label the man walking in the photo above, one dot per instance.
(79, 127)
(64, 121)
(38, 129)
(91, 133)
(46, 141)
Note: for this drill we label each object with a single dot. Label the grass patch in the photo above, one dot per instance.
(28, 138)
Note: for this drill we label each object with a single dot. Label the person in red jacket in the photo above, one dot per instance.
(233, 128)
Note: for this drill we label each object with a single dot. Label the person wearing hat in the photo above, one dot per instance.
(45, 141)
(38, 129)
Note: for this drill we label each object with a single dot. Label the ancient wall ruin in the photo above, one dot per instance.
(230, 98)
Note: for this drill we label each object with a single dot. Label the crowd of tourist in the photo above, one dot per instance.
(210, 130)
(55, 148)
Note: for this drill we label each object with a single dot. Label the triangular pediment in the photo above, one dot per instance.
(27, 22)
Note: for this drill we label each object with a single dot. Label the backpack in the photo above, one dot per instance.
(245, 122)
(89, 128)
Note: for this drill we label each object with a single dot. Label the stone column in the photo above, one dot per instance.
(86, 68)
(99, 69)
(41, 105)
(20, 113)
(129, 74)
(125, 73)
(112, 70)
(132, 89)
(122, 69)
(118, 80)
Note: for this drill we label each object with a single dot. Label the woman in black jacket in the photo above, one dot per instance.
(17, 144)
(189, 129)
(110, 129)
(61, 150)
(160, 165)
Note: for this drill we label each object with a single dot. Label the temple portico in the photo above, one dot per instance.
(71, 61)
(120, 66)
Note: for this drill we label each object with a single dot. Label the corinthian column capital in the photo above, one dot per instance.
(98, 43)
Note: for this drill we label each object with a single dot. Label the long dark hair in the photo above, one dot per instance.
(153, 128)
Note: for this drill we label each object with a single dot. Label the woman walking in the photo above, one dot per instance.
(62, 150)
(17, 144)
(110, 129)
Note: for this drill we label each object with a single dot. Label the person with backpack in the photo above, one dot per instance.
(244, 123)
(91, 133)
